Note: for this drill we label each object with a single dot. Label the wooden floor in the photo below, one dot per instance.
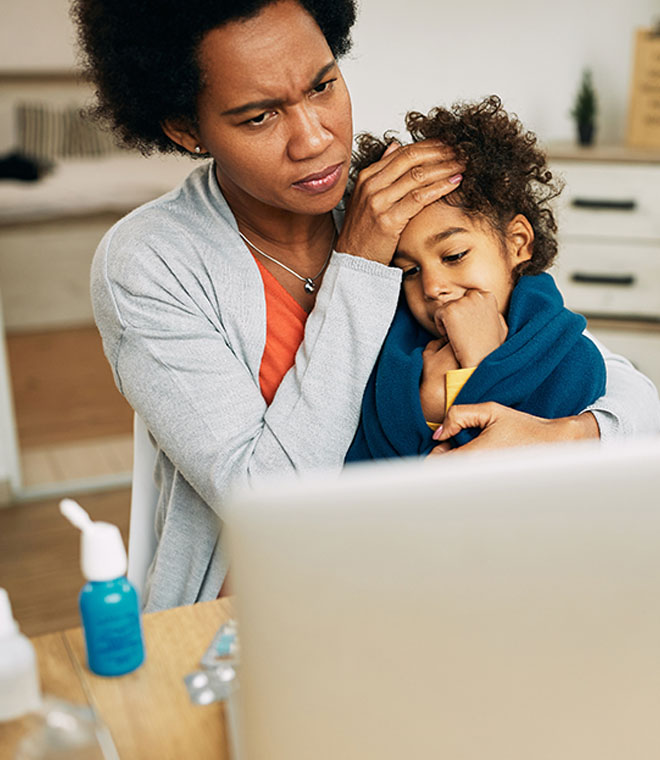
(72, 424)
(39, 558)
(63, 388)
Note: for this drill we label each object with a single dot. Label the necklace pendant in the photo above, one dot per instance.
(310, 287)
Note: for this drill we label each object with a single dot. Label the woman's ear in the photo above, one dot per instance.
(520, 239)
(183, 136)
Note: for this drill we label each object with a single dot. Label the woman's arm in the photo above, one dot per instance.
(502, 427)
(629, 407)
(185, 343)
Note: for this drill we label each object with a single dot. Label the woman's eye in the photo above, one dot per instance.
(257, 121)
(411, 272)
(452, 258)
(323, 86)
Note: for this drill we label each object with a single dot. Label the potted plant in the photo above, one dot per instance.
(584, 110)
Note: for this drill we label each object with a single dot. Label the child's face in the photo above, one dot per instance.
(443, 253)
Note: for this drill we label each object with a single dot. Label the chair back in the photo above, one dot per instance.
(144, 498)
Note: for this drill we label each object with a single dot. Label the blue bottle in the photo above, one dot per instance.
(109, 605)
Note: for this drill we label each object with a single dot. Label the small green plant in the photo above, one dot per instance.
(585, 109)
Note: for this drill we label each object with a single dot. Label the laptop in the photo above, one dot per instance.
(501, 605)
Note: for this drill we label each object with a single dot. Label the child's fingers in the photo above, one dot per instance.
(433, 346)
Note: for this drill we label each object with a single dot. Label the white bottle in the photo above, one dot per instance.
(19, 680)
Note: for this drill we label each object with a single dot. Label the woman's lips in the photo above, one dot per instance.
(321, 181)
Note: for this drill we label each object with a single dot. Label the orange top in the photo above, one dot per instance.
(285, 327)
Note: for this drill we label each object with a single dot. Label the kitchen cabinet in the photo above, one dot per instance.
(608, 267)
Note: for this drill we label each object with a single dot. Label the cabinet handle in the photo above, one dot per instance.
(604, 204)
(584, 278)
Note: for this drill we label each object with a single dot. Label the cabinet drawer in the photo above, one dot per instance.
(639, 344)
(609, 200)
(610, 278)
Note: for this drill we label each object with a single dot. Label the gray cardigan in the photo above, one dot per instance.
(179, 303)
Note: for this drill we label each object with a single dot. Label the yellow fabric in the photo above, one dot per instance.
(455, 379)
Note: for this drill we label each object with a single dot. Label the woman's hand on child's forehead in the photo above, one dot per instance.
(389, 192)
(444, 151)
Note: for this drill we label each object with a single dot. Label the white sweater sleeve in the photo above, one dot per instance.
(630, 405)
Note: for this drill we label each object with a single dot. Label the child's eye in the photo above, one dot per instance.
(410, 272)
(452, 258)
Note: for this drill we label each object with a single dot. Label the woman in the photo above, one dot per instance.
(206, 297)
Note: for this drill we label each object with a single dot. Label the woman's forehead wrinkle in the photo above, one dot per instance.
(281, 92)
(249, 62)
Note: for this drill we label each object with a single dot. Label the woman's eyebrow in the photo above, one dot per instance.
(264, 105)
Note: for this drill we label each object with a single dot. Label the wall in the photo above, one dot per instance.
(36, 35)
(417, 54)
(425, 52)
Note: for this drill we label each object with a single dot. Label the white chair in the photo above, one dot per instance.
(144, 498)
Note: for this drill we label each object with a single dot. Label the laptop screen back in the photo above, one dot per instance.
(504, 605)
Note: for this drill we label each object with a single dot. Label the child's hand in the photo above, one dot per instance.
(473, 326)
(438, 360)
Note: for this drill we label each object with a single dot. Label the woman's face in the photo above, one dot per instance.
(275, 113)
(443, 253)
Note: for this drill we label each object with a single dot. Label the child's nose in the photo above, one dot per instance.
(434, 285)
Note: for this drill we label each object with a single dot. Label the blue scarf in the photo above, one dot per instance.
(546, 367)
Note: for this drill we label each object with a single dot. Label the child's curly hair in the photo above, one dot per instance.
(505, 170)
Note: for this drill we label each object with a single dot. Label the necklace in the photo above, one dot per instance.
(310, 282)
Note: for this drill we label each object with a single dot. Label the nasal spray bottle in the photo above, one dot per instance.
(109, 605)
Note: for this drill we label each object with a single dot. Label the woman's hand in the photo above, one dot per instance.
(391, 191)
(473, 326)
(438, 360)
(502, 427)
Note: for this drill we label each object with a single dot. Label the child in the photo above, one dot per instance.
(479, 319)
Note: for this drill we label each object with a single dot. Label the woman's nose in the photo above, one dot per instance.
(308, 137)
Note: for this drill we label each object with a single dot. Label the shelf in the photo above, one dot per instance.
(568, 151)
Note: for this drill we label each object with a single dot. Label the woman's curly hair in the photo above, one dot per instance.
(505, 170)
(142, 56)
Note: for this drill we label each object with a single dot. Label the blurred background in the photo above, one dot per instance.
(64, 429)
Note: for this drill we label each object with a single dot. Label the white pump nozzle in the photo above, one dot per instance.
(102, 552)
(75, 514)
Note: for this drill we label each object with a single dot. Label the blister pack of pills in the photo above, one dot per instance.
(224, 646)
(217, 678)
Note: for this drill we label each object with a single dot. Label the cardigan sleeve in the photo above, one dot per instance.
(630, 406)
(185, 359)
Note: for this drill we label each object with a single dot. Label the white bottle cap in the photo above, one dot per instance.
(102, 552)
(8, 626)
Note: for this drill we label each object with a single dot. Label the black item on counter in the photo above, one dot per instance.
(15, 165)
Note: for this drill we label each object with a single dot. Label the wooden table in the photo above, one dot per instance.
(148, 712)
